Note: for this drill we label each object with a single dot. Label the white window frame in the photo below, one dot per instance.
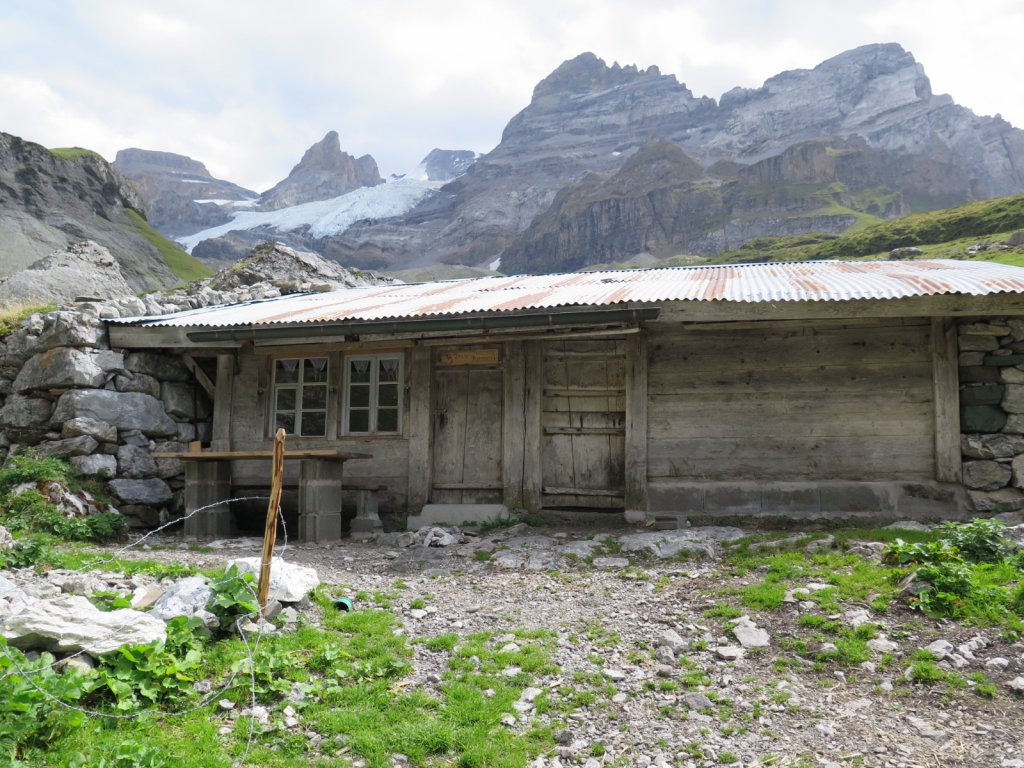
(373, 407)
(298, 386)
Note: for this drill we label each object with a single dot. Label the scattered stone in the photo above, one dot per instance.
(72, 623)
(940, 649)
(1017, 684)
(183, 598)
(729, 652)
(926, 729)
(289, 583)
(749, 635)
(694, 700)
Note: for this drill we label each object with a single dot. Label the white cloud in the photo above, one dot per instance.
(247, 87)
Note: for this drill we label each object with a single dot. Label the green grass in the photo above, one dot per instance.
(14, 313)
(940, 234)
(183, 265)
(73, 153)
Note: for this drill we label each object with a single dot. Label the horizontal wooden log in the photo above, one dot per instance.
(665, 380)
(585, 431)
(582, 491)
(467, 486)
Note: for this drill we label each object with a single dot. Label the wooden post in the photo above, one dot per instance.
(636, 428)
(419, 423)
(533, 473)
(221, 432)
(270, 532)
(513, 425)
(946, 393)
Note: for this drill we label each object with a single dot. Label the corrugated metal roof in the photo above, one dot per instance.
(796, 281)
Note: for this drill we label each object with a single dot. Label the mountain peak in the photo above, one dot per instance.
(324, 171)
(587, 73)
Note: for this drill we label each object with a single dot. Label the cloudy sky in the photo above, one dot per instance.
(247, 85)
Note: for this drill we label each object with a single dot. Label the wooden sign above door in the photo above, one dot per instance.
(474, 356)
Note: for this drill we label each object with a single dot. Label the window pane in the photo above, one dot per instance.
(388, 369)
(387, 420)
(359, 370)
(315, 369)
(387, 395)
(285, 421)
(314, 397)
(359, 421)
(359, 397)
(286, 371)
(286, 399)
(314, 424)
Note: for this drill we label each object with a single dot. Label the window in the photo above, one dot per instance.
(373, 394)
(300, 396)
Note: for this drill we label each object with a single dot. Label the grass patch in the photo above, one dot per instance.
(183, 265)
(14, 313)
(74, 153)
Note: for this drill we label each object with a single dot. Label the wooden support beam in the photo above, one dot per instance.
(200, 374)
(636, 428)
(513, 428)
(420, 459)
(946, 396)
(222, 403)
(533, 395)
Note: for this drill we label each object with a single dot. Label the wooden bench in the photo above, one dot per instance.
(208, 486)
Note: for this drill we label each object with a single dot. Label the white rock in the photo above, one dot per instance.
(940, 649)
(671, 639)
(183, 598)
(750, 636)
(997, 663)
(72, 623)
(289, 583)
(883, 645)
(1017, 684)
(729, 652)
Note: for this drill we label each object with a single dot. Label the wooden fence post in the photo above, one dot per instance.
(270, 532)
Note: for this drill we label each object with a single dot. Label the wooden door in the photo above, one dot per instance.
(467, 436)
(583, 424)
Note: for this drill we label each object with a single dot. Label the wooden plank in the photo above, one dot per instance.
(636, 435)
(532, 438)
(222, 402)
(473, 356)
(514, 426)
(468, 486)
(812, 378)
(583, 391)
(791, 457)
(200, 374)
(418, 423)
(325, 454)
(552, 491)
(584, 431)
(450, 405)
(947, 401)
(482, 451)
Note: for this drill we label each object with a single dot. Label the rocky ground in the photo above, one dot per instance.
(667, 684)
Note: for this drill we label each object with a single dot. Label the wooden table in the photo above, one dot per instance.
(208, 488)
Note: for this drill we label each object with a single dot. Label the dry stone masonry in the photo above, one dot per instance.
(992, 413)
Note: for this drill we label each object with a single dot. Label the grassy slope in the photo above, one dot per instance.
(183, 265)
(940, 234)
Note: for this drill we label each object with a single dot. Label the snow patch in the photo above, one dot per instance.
(495, 265)
(324, 218)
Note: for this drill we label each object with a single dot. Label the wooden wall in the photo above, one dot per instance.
(249, 418)
(791, 402)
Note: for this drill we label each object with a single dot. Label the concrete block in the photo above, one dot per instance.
(733, 499)
(675, 497)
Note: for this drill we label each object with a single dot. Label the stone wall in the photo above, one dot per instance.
(992, 412)
(65, 393)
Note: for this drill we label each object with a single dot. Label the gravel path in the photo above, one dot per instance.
(634, 636)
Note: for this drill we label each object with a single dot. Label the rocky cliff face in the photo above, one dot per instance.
(180, 194)
(662, 202)
(324, 172)
(51, 199)
(587, 117)
(445, 164)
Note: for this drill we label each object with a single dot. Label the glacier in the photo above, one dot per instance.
(323, 218)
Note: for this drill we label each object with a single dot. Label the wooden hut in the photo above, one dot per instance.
(804, 389)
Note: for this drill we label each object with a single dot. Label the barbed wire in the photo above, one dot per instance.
(251, 647)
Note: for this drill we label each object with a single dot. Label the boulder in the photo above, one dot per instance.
(100, 430)
(6, 541)
(82, 445)
(137, 382)
(182, 402)
(71, 623)
(59, 368)
(159, 366)
(289, 583)
(985, 475)
(1003, 500)
(134, 461)
(124, 410)
(982, 418)
(1013, 398)
(25, 419)
(150, 491)
(184, 598)
(998, 446)
(97, 463)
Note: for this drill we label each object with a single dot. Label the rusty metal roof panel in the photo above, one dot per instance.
(752, 283)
